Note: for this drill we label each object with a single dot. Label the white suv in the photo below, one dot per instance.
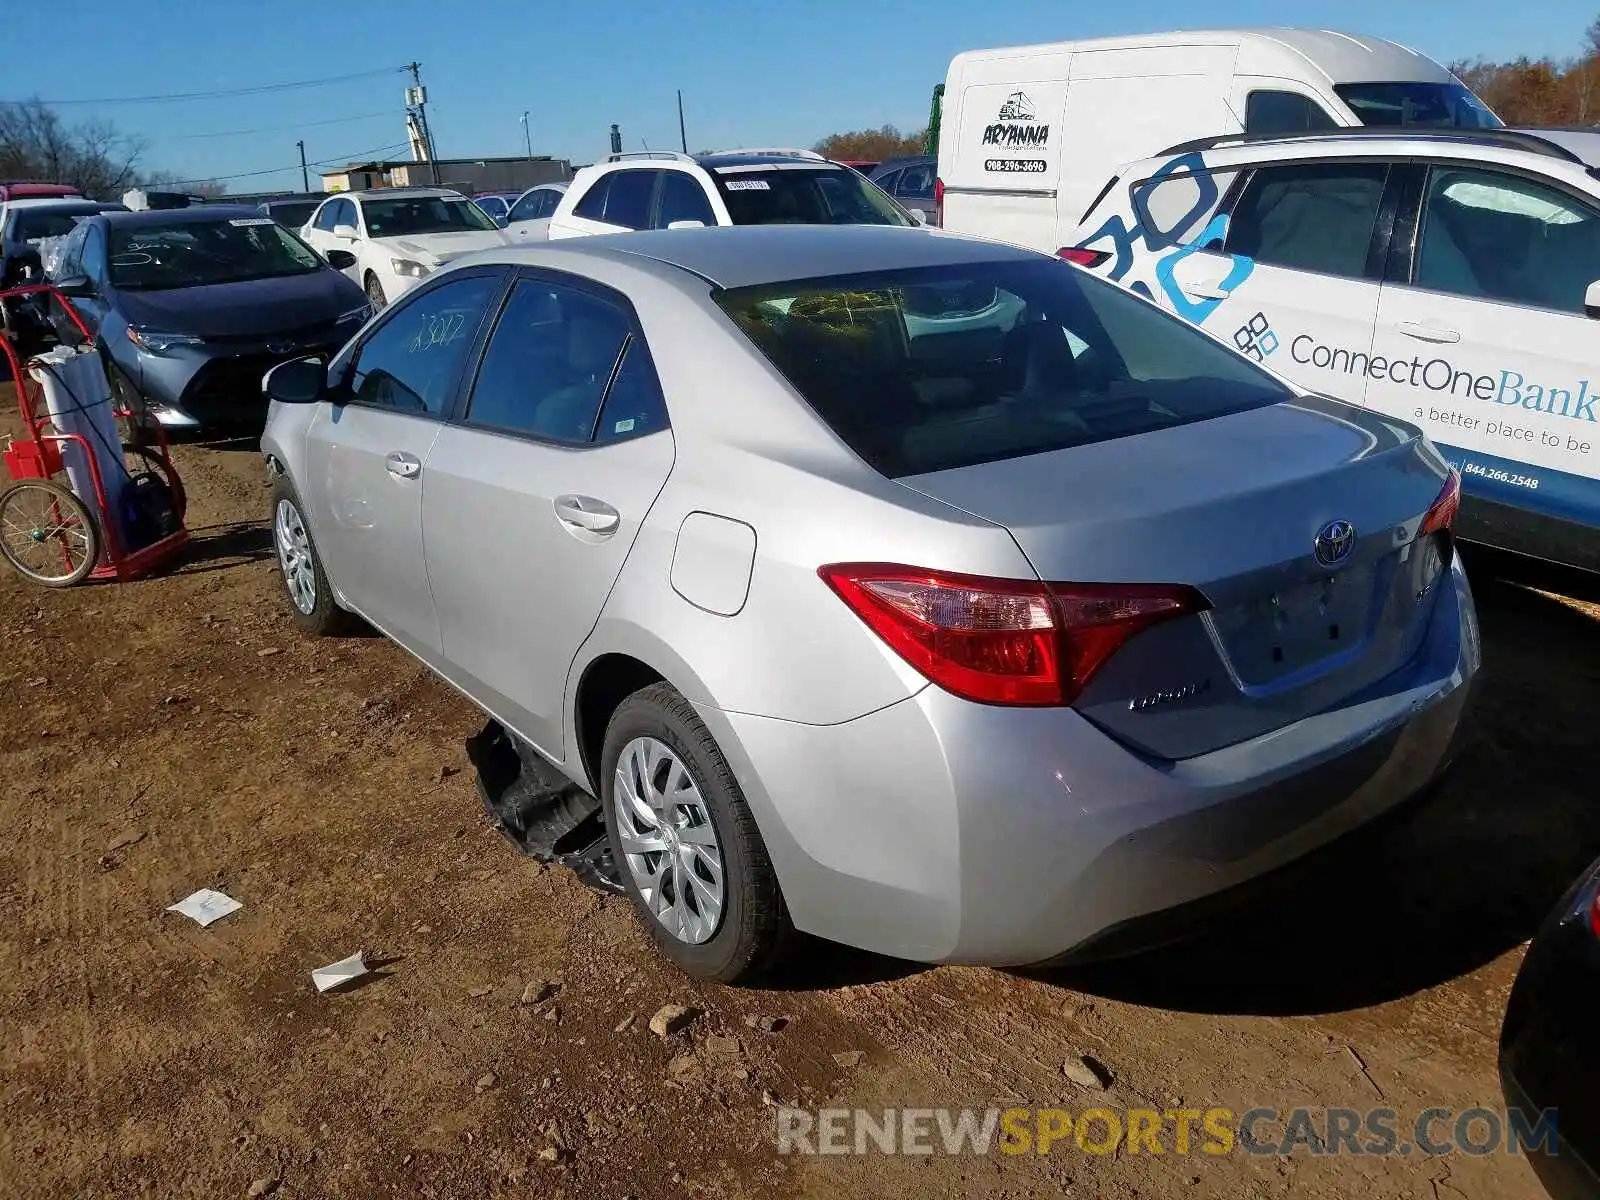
(667, 190)
(400, 235)
(1450, 278)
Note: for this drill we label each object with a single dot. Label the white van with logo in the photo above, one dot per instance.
(1029, 134)
(1448, 278)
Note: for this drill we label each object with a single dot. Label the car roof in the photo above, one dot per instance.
(747, 255)
(909, 160)
(197, 214)
(405, 193)
(1574, 156)
(60, 203)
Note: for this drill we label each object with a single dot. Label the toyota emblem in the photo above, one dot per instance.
(1334, 543)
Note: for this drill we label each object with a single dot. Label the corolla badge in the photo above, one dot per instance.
(1334, 543)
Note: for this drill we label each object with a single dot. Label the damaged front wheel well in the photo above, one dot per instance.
(608, 681)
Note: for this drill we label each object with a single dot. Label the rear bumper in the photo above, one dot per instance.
(944, 831)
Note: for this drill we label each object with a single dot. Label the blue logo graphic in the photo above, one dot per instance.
(1256, 338)
(1146, 231)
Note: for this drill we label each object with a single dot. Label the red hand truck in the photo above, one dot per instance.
(50, 535)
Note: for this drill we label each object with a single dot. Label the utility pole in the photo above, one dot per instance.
(526, 135)
(683, 138)
(305, 179)
(417, 102)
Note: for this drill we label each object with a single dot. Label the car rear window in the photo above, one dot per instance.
(943, 367)
(793, 195)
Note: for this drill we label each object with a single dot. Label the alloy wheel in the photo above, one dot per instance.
(294, 556)
(668, 840)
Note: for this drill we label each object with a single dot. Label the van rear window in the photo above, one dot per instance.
(943, 367)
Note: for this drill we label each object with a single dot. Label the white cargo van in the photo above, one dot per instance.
(1030, 135)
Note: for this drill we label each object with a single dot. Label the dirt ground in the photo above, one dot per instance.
(174, 734)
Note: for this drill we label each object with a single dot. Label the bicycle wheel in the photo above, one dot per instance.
(47, 534)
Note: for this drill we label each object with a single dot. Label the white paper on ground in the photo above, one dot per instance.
(343, 971)
(206, 906)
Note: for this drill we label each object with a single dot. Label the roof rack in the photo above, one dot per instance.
(1511, 139)
(672, 155)
(770, 152)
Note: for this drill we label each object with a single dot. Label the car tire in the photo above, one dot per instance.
(752, 926)
(305, 581)
(135, 428)
(375, 293)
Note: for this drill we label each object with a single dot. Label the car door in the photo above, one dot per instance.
(914, 190)
(616, 202)
(88, 262)
(367, 453)
(529, 218)
(535, 495)
(1483, 338)
(1295, 282)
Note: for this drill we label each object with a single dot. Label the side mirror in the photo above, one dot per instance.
(686, 224)
(1591, 300)
(77, 286)
(345, 233)
(917, 215)
(299, 381)
(341, 260)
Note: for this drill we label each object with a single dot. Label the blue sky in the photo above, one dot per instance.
(753, 72)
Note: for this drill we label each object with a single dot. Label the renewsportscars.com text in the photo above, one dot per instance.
(1179, 1131)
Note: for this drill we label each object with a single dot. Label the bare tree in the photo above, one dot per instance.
(93, 156)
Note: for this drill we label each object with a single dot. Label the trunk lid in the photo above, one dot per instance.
(1233, 507)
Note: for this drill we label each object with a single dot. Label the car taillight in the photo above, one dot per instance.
(1083, 257)
(1442, 513)
(938, 201)
(1003, 641)
(1594, 915)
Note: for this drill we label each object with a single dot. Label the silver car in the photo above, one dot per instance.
(913, 591)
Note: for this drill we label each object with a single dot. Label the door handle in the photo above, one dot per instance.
(587, 513)
(402, 465)
(1428, 333)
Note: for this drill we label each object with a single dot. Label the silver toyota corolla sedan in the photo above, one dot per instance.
(913, 591)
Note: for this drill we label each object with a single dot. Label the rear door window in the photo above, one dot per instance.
(1268, 111)
(628, 201)
(936, 368)
(1309, 216)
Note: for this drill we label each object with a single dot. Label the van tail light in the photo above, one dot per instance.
(1594, 915)
(1003, 641)
(938, 201)
(1441, 516)
(1082, 256)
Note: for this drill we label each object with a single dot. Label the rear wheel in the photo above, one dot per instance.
(685, 842)
(375, 293)
(47, 534)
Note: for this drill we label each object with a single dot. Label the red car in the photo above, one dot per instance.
(37, 191)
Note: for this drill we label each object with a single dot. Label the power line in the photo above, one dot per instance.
(316, 162)
(280, 128)
(217, 95)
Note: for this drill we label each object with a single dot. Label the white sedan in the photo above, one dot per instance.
(400, 235)
(529, 218)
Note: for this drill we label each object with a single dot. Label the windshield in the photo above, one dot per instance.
(804, 196)
(944, 367)
(35, 226)
(194, 253)
(423, 214)
(1410, 103)
(293, 214)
